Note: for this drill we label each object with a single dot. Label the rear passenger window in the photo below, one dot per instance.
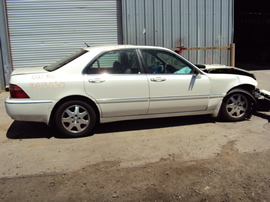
(116, 62)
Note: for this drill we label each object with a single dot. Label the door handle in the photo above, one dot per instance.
(158, 79)
(96, 80)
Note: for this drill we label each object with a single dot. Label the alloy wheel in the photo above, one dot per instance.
(75, 118)
(237, 105)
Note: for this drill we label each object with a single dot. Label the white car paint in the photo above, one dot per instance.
(120, 96)
(124, 98)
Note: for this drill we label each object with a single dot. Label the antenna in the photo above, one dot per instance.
(86, 44)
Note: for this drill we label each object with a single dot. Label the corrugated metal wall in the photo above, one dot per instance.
(174, 23)
(46, 30)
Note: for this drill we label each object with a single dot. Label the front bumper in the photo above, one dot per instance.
(263, 100)
(29, 110)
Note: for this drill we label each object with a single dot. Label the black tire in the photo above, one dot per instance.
(75, 119)
(236, 106)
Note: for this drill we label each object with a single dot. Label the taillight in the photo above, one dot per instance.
(17, 92)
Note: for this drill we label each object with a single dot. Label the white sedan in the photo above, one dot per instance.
(124, 82)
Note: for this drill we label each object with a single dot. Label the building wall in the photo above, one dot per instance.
(41, 32)
(174, 23)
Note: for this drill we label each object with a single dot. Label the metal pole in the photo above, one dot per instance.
(2, 78)
(6, 67)
(232, 54)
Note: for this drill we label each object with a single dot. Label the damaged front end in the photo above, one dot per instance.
(263, 100)
(222, 69)
(261, 97)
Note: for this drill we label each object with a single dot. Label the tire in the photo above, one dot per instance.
(75, 119)
(236, 106)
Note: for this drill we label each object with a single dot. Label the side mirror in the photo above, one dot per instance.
(196, 73)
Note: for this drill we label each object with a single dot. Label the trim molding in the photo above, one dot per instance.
(146, 99)
(28, 102)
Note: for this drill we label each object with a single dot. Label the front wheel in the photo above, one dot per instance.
(75, 119)
(236, 106)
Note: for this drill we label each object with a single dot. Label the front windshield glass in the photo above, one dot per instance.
(64, 61)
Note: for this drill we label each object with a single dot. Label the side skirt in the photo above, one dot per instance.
(150, 116)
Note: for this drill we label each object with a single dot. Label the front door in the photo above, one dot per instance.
(174, 84)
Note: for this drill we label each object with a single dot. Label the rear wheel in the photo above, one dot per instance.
(75, 119)
(236, 106)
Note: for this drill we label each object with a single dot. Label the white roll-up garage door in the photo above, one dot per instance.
(43, 31)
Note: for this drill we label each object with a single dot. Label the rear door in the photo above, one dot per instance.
(116, 82)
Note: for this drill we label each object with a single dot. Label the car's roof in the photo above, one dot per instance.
(112, 47)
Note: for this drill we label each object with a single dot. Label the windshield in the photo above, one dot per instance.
(64, 61)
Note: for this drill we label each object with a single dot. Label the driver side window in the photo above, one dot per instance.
(162, 62)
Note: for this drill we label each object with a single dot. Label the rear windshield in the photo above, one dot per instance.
(64, 61)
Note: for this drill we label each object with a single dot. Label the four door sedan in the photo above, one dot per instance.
(124, 82)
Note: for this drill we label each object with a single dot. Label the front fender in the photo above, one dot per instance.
(216, 112)
(238, 90)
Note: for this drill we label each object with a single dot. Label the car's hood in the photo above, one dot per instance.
(30, 70)
(222, 69)
(218, 66)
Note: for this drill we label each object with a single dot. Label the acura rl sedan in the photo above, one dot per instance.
(124, 82)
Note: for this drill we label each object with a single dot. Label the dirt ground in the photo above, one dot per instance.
(173, 159)
(229, 176)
